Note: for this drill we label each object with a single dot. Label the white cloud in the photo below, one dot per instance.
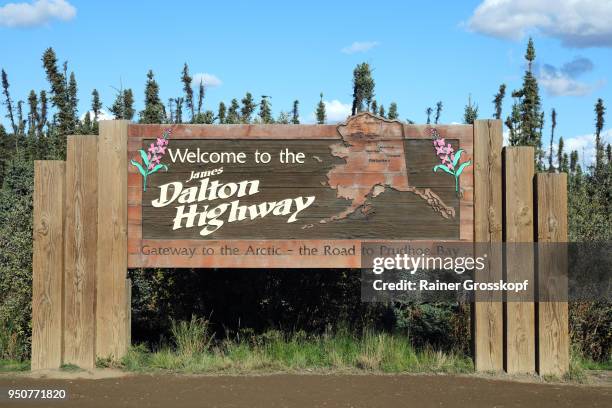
(208, 80)
(360, 46)
(577, 23)
(336, 111)
(585, 145)
(563, 81)
(36, 13)
(102, 115)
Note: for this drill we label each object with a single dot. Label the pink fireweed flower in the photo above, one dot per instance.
(152, 148)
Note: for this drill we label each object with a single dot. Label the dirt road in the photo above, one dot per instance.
(271, 391)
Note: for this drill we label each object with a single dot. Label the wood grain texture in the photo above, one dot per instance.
(80, 251)
(128, 308)
(519, 228)
(397, 214)
(111, 272)
(553, 324)
(48, 264)
(487, 313)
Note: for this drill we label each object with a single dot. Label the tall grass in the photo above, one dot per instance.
(195, 352)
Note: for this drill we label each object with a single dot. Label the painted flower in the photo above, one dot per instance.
(449, 159)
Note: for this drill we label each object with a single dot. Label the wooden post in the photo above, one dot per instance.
(487, 314)
(48, 264)
(552, 315)
(519, 313)
(80, 232)
(112, 314)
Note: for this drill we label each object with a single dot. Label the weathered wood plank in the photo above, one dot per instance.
(519, 228)
(553, 320)
(111, 314)
(487, 314)
(128, 308)
(48, 264)
(80, 251)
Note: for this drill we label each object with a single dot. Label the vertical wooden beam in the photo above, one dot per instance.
(112, 240)
(48, 264)
(519, 229)
(552, 315)
(128, 308)
(80, 251)
(487, 314)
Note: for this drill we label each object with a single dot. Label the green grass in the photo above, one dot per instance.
(14, 365)
(275, 351)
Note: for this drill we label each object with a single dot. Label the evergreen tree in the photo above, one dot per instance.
(8, 101)
(73, 100)
(33, 113)
(221, 113)
(530, 118)
(600, 111)
(363, 88)
(248, 107)
(573, 161)
(295, 114)
(374, 107)
(128, 104)
(186, 79)
(265, 111)
(321, 114)
(470, 113)
(21, 122)
(42, 119)
(393, 111)
(118, 107)
(233, 115)
(438, 111)
(200, 96)
(86, 126)
(96, 106)
(560, 154)
(283, 118)
(178, 115)
(428, 112)
(381, 111)
(553, 118)
(60, 99)
(154, 111)
(170, 110)
(498, 101)
(208, 117)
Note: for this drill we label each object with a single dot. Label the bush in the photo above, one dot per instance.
(591, 329)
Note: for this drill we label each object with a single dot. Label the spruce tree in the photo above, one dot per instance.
(200, 96)
(600, 111)
(248, 107)
(560, 153)
(498, 101)
(233, 115)
(221, 113)
(186, 79)
(470, 113)
(178, 115)
(381, 111)
(393, 111)
(128, 104)
(553, 118)
(374, 107)
(530, 118)
(363, 88)
(42, 120)
(73, 100)
(21, 122)
(60, 99)
(283, 118)
(438, 111)
(118, 107)
(154, 111)
(428, 112)
(295, 114)
(321, 114)
(8, 101)
(265, 111)
(96, 105)
(33, 113)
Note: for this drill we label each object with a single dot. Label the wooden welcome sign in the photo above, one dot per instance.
(293, 196)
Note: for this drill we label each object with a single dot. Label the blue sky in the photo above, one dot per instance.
(421, 52)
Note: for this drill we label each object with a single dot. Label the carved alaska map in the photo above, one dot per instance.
(373, 149)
